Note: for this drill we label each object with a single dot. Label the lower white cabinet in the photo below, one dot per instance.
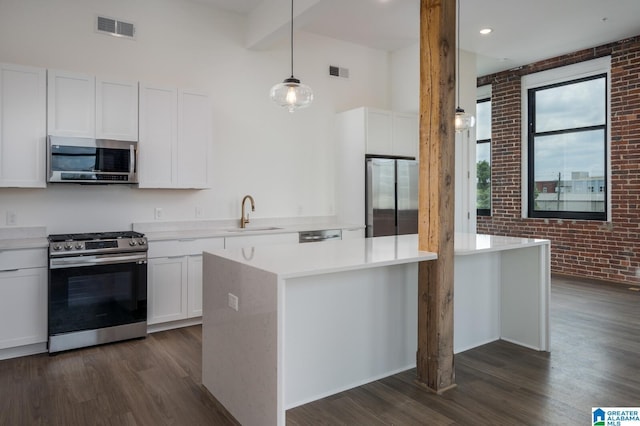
(23, 298)
(175, 278)
(167, 289)
(194, 286)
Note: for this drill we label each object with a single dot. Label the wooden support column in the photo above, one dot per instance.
(436, 200)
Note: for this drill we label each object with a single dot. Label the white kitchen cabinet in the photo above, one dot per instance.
(23, 118)
(194, 139)
(82, 105)
(194, 285)
(175, 138)
(158, 136)
(249, 241)
(167, 289)
(71, 104)
(405, 135)
(368, 131)
(385, 132)
(116, 110)
(23, 298)
(378, 125)
(175, 278)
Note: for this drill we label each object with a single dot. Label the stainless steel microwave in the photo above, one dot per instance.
(91, 161)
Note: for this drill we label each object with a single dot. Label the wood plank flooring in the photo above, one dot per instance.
(595, 343)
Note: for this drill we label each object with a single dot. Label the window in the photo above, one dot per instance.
(567, 147)
(483, 154)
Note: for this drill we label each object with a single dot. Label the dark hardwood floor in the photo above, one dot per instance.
(594, 361)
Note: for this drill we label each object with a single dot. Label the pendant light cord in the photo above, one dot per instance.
(291, 38)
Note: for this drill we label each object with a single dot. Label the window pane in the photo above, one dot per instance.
(483, 122)
(569, 172)
(483, 175)
(571, 106)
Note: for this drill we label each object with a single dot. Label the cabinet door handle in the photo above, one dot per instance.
(9, 270)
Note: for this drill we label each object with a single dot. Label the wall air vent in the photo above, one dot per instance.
(338, 71)
(115, 27)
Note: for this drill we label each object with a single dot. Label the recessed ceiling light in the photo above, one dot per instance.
(486, 31)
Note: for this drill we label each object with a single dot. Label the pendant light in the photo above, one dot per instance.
(291, 94)
(463, 120)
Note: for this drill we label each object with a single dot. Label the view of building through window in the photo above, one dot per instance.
(567, 149)
(483, 157)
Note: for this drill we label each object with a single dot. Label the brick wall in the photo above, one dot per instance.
(593, 249)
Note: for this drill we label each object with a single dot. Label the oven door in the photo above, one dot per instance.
(103, 292)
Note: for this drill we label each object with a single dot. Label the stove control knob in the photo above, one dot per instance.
(79, 246)
(141, 242)
(68, 246)
(57, 247)
(132, 243)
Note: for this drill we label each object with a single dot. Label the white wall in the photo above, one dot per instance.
(405, 79)
(405, 97)
(284, 160)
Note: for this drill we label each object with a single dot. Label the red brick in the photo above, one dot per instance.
(592, 249)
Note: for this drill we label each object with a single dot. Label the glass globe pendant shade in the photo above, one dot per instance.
(291, 94)
(464, 121)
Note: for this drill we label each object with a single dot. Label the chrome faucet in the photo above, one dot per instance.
(244, 220)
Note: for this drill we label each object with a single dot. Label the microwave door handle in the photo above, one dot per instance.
(132, 159)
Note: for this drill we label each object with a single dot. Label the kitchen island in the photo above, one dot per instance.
(285, 325)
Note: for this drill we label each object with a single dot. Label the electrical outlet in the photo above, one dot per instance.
(158, 213)
(12, 218)
(199, 211)
(233, 301)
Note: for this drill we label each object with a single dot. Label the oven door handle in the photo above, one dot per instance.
(72, 262)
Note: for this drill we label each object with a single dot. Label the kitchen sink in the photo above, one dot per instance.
(255, 228)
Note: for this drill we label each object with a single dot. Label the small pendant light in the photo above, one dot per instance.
(291, 94)
(463, 121)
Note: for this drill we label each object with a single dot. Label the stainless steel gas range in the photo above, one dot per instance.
(97, 288)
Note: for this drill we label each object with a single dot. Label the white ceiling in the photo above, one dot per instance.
(525, 31)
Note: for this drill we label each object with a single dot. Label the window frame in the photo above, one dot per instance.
(483, 97)
(553, 78)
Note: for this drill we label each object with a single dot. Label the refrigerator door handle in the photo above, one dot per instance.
(369, 199)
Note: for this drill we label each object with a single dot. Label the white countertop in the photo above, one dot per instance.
(295, 260)
(466, 244)
(158, 231)
(298, 260)
(16, 238)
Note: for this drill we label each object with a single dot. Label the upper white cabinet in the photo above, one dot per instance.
(386, 132)
(158, 136)
(175, 138)
(194, 136)
(116, 110)
(378, 127)
(23, 117)
(405, 135)
(82, 105)
(71, 104)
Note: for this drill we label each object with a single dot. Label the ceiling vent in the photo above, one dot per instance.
(115, 27)
(338, 71)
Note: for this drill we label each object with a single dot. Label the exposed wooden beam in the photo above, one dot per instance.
(436, 200)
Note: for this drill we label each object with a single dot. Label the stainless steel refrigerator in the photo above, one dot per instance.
(391, 196)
